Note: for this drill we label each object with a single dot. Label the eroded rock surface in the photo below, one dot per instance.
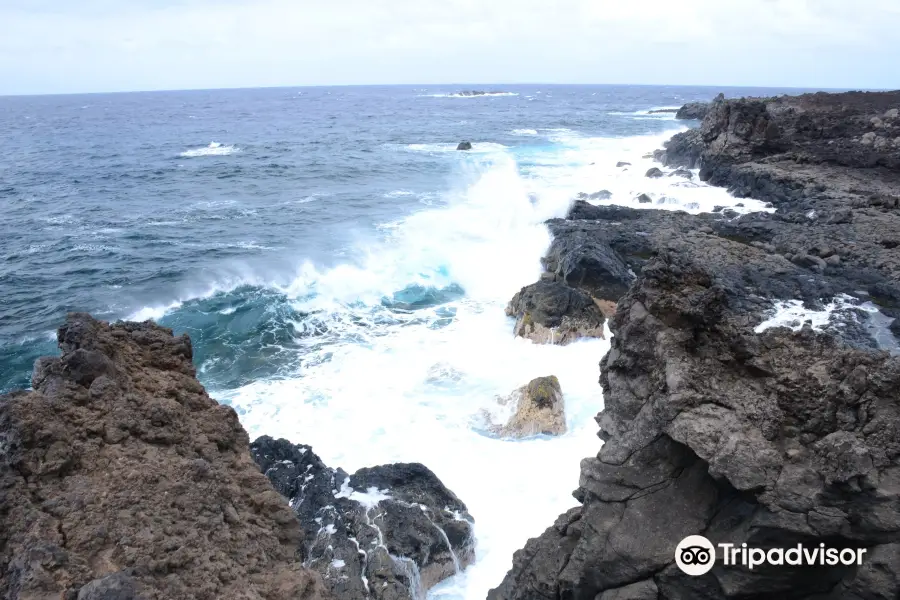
(550, 312)
(121, 478)
(696, 110)
(538, 408)
(771, 439)
(714, 422)
(389, 532)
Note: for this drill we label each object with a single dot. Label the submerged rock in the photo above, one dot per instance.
(464, 146)
(550, 312)
(121, 478)
(539, 410)
(387, 533)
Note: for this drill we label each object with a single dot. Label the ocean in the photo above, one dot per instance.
(341, 268)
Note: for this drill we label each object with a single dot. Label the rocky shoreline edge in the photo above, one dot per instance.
(120, 478)
(721, 419)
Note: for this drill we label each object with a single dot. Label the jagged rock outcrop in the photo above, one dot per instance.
(584, 262)
(696, 110)
(771, 439)
(538, 408)
(716, 423)
(121, 478)
(389, 532)
(550, 312)
(815, 158)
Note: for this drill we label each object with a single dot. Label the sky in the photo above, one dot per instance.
(60, 46)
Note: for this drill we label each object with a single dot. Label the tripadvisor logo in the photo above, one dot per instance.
(696, 555)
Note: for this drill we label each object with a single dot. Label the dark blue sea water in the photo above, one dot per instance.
(117, 203)
(341, 268)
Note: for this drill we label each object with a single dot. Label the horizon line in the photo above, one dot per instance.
(383, 85)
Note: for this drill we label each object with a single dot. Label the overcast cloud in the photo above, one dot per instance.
(57, 46)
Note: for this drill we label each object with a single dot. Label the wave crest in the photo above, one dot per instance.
(213, 149)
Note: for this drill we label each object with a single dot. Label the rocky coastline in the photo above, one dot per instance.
(717, 422)
(120, 478)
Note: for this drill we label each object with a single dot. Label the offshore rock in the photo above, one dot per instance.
(120, 478)
(539, 410)
(464, 146)
(550, 312)
(388, 533)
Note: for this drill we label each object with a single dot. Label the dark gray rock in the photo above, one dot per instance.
(809, 262)
(642, 590)
(464, 146)
(696, 110)
(622, 163)
(644, 199)
(389, 532)
(551, 312)
(682, 172)
(653, 172)
(771, 439)
(582, 261)
(118, 586)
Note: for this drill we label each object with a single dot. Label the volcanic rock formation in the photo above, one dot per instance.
(550, 312)
(121, 478)
(388, 533)
(538, 408)
(717, 422)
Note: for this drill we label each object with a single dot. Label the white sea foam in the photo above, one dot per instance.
(792, 313)
(368, 499)
(462, 95)
(477, 147)
(524, 132)
(376, 386)
(588, 164)
(213, 149)
(649, 113)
